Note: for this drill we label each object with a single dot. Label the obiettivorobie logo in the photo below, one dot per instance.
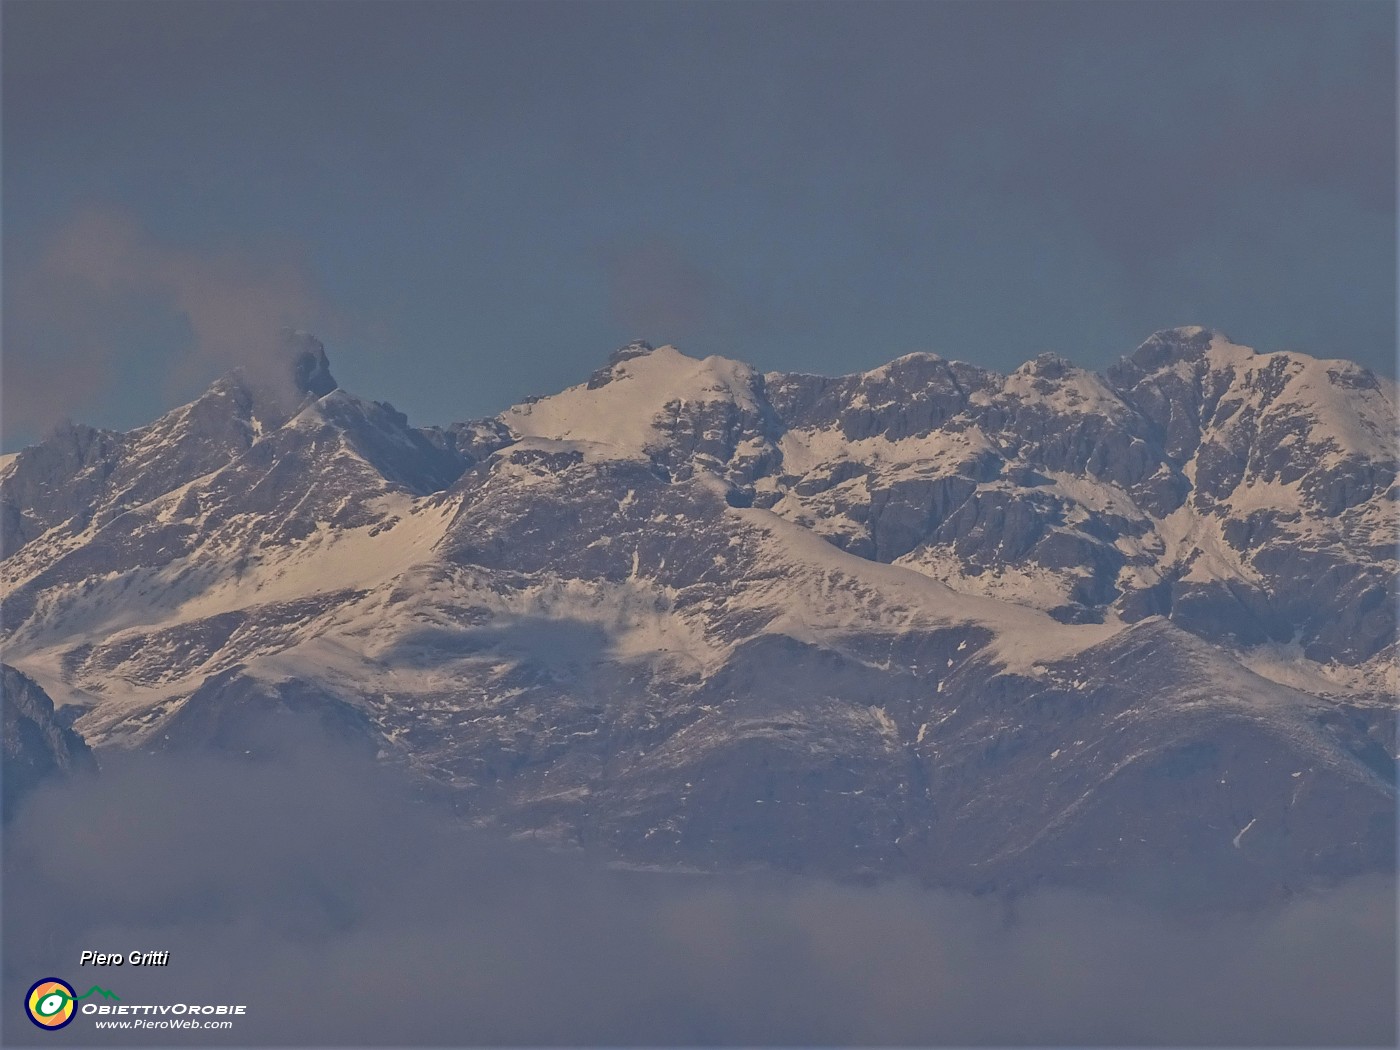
(51, 1003)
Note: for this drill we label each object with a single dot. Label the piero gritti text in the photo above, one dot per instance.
(135, 958)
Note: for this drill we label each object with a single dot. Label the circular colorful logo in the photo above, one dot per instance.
(49, 1003)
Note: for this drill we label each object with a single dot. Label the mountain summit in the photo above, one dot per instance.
(311, 371)
(985, 630)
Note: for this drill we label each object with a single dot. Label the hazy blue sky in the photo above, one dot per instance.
(475, 202)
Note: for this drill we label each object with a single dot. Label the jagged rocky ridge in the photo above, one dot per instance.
(36, 746)
(985, 630)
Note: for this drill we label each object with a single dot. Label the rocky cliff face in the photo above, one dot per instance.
(37, 747)
(931, 620)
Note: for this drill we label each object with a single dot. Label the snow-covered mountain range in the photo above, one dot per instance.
(929, 620)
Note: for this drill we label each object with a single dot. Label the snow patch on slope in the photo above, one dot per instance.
(1287, 665)
(1025, 584)
(1071, 391)
(822, 591)
(217, 580)
(334, 560)
(938, 452)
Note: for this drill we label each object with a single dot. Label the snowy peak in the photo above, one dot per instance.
(925, 620)
(379, 436)
(1057, 385)
(636, 348)
(909, 397)
(1171, 346)
(1047, 366)
(280, 382)
(1335, 406)
(1197, 385)
(640, 400)
(238, 447)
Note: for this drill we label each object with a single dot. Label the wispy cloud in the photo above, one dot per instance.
(102, 276)
(344, 912)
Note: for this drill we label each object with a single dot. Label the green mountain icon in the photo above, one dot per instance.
(105, 993)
